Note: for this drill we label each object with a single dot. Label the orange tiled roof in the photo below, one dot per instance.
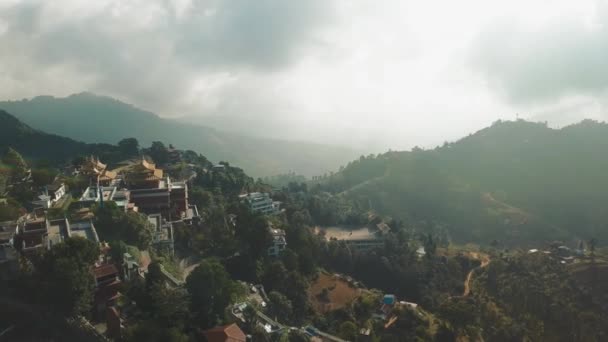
(108, 175)
(226, 333)
(105, 270)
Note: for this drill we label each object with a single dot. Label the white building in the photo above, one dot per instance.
(279, 243)
(260, 202)
(51, 195)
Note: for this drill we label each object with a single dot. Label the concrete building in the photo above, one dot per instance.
(163, 232)
(94, 194)
(279, 243)
(360, 240)
(261, 202)
(51, 194)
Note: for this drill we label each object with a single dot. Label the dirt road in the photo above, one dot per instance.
(485, 260)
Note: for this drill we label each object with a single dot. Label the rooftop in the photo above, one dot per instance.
(84, 229)
(225, 333)
(344, 233)
(104, 270)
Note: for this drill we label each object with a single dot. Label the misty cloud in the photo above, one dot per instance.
(565, 57)
(372, 75)
(150, 52)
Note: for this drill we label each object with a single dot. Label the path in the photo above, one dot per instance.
(485, 260)
(188, 265)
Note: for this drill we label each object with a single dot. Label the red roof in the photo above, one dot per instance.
(105, 270)
(226, 333)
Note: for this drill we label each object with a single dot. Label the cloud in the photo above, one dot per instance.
(533, 65)
(149, 52)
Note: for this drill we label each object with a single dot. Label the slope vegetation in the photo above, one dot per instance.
(97, 119)
(514, 181)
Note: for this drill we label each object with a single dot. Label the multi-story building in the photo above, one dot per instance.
(279, 243)
(97, 171)
(360, 240)
(261, 202)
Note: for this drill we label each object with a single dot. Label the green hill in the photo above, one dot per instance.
(514, 181)
(97, 119)
(35, 144)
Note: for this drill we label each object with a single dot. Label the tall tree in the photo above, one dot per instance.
(128, 147)
(64, 278)
(159, 152)
(211, 290)
(17, 165)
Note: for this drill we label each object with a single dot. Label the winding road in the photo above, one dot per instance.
(485, 261)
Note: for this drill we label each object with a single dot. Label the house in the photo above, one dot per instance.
(226, 333)
(279, 243)
(51, 194)
(57, 232)
(32, 234)
(42, 201)
(360, 240)
(260, 202)
(175, 155)
(94, 194)
(56, 190)
(97, 171)
(130, 266)
(151, 193)
(420, 252)
(143, 175)
(107, 283)
(163, 232)
(84, 229)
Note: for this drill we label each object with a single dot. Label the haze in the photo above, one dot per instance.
(373, 75)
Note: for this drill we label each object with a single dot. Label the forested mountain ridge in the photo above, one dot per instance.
(36, 144)
(514, 181)
(98, 119)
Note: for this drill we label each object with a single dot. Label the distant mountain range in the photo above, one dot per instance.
(516, 181)
(97, 119)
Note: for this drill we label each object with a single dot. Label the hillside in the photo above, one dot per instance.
(97, 119)
(36, 144)
(514, 181)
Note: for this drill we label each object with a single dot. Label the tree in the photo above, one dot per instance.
(117, 252)
(348, 331)
(279, 306)
(159, 152)
(112, 223)
(297, 336)
(154, 331)
(429, 245)
(129, 147)
(168, 305)
(155, 274)
(43, 176)
(250, 316)
(10, 210)
(211, 291)
(258, 334)
(17, 165)
(64, 278)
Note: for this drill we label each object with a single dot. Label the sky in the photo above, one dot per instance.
(374, 75)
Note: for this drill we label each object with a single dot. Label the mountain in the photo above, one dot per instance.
(518, 182)
(98, 119)
(36, 144)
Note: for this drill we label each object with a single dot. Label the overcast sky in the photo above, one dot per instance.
(386, 74)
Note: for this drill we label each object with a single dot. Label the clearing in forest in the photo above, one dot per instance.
(331, 292)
